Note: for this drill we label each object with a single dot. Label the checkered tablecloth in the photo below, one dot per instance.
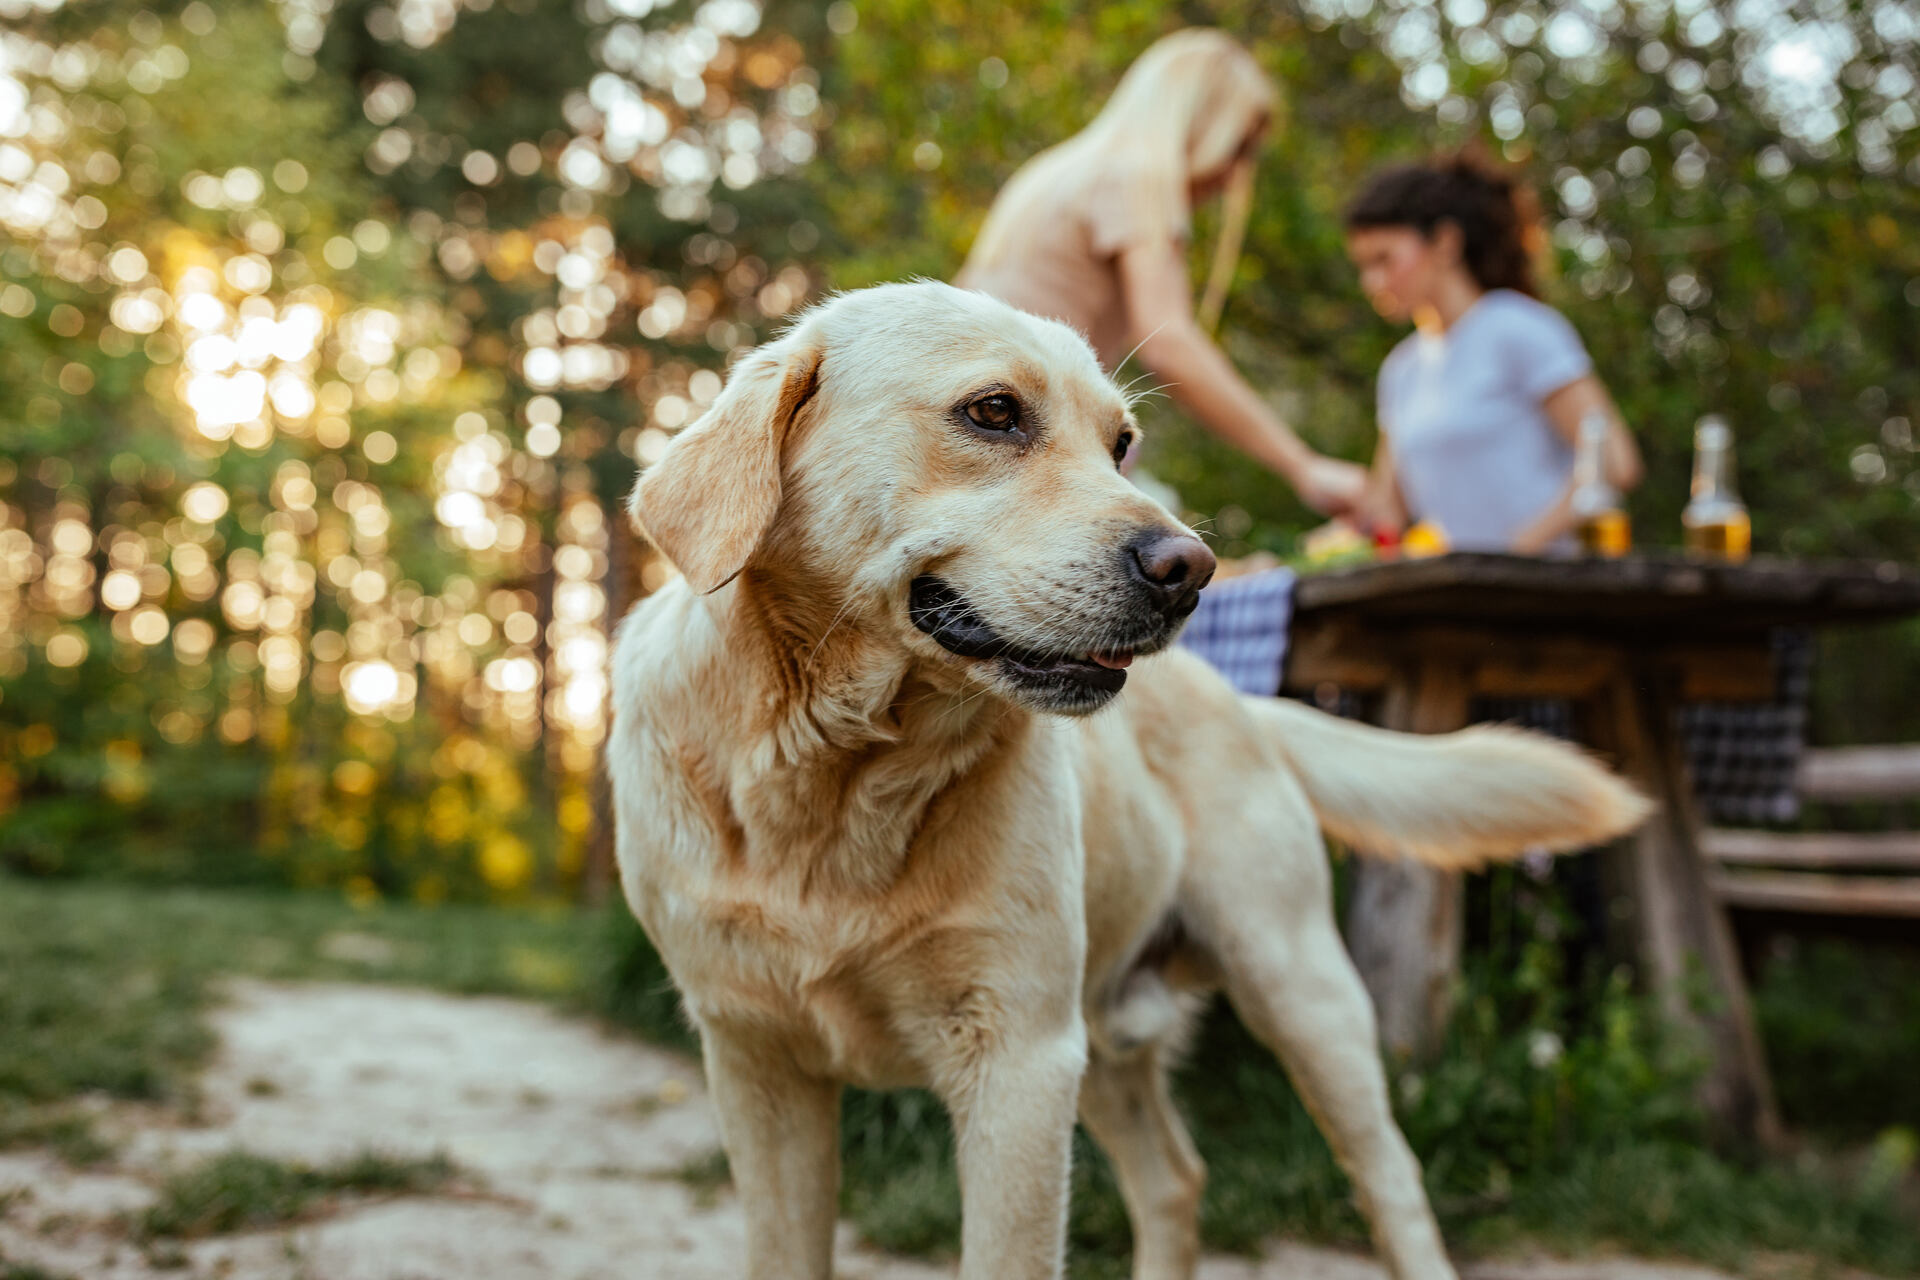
(1241, 628)
(1742, 755)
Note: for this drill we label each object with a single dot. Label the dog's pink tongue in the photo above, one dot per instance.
(1115, 661)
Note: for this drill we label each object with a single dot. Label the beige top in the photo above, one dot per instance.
(1074, 217)
(1051, 242)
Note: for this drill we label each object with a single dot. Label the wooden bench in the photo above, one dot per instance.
(1873, 874)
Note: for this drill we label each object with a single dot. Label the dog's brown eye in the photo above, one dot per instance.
(995, 413)
(1121, 446)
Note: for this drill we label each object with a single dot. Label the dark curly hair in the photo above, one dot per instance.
(1496, 212)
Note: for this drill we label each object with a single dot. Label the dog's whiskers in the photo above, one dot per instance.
(1143, 342)
(1133, 397)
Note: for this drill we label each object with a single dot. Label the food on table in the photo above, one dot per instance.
(1422, 539)
(1333, 540)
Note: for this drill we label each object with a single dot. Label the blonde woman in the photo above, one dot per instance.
(1094, 232)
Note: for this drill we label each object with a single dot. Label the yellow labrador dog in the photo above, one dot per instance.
(872, 821)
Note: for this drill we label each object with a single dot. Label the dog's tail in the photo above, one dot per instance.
(1451, 800)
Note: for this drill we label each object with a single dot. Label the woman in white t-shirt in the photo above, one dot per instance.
(1480, 406)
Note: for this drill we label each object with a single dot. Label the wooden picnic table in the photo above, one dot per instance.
(1626, 641)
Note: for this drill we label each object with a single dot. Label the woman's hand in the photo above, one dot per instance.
(1331, 486)
(1380, 508)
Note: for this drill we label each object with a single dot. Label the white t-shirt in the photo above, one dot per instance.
(1472, 444)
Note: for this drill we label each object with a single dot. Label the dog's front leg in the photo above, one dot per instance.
(782, 1133)
(1013, 1119)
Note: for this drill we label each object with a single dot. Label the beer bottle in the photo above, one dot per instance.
(1715, 522)
(1599, 520)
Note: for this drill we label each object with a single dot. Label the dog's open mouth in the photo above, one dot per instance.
(943, 613)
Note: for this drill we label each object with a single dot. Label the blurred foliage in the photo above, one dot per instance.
(630, 985)
(334, 334)
(1815, 999)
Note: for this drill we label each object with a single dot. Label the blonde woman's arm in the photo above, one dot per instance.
(1200, 378)
(1619, 458)
(1382, 507)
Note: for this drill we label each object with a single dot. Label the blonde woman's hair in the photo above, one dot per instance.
(1197, 98)
(1188, 110)
(1236, 207)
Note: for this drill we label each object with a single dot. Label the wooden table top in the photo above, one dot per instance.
(1664, 593)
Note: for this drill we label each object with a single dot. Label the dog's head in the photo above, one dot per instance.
(938, 470)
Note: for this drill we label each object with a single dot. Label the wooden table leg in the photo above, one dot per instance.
(1682, 939)
(1404, 919)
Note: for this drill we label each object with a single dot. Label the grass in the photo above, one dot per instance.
(1817, 998)
(1630, 1176)
(65, 1129)
(102, 988)
(241, 1191)
(27, 1271)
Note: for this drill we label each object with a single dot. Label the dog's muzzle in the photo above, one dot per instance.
(1165, 584)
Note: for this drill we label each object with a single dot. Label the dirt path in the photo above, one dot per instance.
(573, 1139)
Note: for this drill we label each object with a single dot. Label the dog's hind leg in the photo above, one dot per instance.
(1258, 896)
(1125, 1105)
(782, 1134)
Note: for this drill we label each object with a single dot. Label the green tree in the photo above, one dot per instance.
(336, 335)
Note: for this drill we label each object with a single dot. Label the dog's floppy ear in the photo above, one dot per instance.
(712, 496)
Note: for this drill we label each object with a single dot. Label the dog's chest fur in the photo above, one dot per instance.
(851, 905)
(769, 927)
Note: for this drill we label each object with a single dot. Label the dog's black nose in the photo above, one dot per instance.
(1174, 566)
